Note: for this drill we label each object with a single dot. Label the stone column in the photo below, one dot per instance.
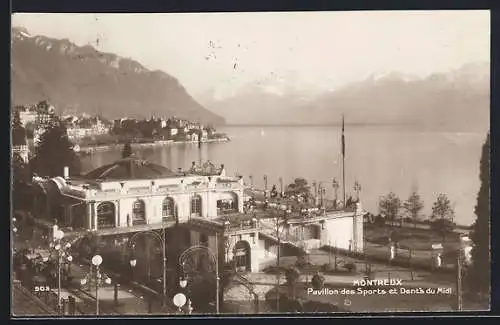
(254, 256)
(94, 214)
(240, 201)
(358, 229)
(89, 216)
(323, 233)
(117, 213)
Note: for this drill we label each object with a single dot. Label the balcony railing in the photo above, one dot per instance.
(227, 185)
(240, 225)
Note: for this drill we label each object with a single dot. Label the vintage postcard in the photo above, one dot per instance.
(250, 163)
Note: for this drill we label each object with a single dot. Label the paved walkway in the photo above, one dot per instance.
(130, 301)
(25, 304)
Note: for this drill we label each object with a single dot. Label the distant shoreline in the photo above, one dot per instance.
(91, 149)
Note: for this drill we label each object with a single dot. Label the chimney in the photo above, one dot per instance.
(66, 172)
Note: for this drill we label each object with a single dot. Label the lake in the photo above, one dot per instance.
(380, 158)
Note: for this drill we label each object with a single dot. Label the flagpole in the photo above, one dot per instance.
(343, 161)
(199, 147)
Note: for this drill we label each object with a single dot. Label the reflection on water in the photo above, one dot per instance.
(382, 159)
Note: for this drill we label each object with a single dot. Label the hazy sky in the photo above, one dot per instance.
(222, 51)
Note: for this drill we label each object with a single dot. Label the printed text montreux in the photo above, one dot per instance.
(377, 282)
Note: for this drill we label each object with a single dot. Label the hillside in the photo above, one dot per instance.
(83, 79)
(457, 101)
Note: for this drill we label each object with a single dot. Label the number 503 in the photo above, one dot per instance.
(42, 288)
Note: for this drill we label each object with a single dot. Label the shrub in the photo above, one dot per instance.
(351, 267)
(302, 261)
(274, 269)
(317, 281)
(292, 275)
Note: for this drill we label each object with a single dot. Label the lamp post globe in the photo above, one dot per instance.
(58, 234)
(96, 260)
(133, 262)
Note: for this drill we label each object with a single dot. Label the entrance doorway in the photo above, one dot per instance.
(242, 256)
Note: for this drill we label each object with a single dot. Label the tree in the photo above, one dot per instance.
(299, 187)
(478, 276)
(318, 281)
(127, 150)
(442, 215)
(20, 178)
(18, 131)
(413, 206)
(389, 206)
(54, 152)
(292, 275)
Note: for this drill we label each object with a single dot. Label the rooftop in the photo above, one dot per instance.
(130, 168)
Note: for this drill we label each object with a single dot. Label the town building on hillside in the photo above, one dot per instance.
(193, 135)
(78, 128)
(27, 116)
(45, 118)
(19, 144)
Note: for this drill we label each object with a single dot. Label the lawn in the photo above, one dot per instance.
(410, 238)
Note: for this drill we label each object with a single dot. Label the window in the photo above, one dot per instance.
(139, 213)
(168, 208)
(196, 205)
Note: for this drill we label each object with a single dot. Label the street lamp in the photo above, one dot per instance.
(63, 254)
(183, 284)
(265, 185)
(286, 213)
(215, 259)
(357, 189)
(335, 185)
(162, 240)
(322, 192)
(97, 261)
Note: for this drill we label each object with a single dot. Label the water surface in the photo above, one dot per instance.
(381, 158)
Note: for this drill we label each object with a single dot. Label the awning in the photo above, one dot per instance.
(71, 200)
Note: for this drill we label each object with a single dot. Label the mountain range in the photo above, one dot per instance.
(82, 79)
(456, 100)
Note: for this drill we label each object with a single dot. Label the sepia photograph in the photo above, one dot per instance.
(250, 163)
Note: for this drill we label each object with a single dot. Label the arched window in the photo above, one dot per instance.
(168, 207)
(196, 205)
(139, 213)
(106, 215)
